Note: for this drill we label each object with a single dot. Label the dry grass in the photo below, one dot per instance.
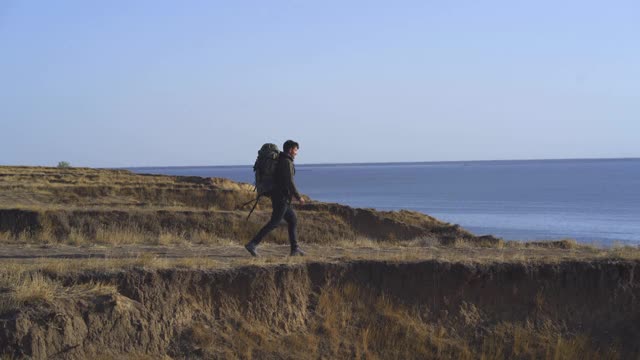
(375, 326)
(116, 235)
(353, 322)
(164, 227)
(224, 253)
(21, 286)
(508, 340)
(130, 356)
(231, 255)
(37, 188)
(83, 206)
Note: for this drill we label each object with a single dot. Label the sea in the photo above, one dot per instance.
(595, 201)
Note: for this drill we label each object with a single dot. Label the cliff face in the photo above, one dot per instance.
(343, 310)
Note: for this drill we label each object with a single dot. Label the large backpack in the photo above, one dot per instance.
(264, 171)
(265, 168)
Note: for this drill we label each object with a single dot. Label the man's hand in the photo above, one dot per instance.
(301, 200)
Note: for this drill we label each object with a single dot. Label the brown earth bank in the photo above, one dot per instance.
(350, 309)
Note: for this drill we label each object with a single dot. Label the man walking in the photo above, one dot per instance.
(283, 191)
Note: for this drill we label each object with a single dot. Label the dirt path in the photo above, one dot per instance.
(270, 253)
(227, 252)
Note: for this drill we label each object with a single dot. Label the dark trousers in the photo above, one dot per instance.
(281, 210)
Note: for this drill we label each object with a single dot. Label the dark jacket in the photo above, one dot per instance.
(284, 186)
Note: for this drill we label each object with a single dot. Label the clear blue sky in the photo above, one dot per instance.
(144, 83)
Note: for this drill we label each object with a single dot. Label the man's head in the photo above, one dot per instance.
(291, 147)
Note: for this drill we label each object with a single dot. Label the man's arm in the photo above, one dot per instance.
(291, 184)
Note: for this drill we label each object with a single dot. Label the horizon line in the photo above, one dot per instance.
(384, 163)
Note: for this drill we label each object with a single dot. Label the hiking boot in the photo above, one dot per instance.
(296, 252)
(251, 249)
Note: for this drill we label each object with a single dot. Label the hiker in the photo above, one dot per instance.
(284, 190)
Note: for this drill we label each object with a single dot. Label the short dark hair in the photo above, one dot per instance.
(290, 144)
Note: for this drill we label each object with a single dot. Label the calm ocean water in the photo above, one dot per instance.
(593, 201)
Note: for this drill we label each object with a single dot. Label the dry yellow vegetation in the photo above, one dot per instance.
(81, 206)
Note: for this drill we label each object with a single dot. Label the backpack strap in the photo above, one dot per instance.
(248, 202)
(254, 206)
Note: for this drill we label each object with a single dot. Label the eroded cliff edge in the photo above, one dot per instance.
(363, 309)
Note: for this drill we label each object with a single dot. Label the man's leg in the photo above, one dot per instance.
(279, 209)
(292, 223)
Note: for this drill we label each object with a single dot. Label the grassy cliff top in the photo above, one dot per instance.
(103, 206)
